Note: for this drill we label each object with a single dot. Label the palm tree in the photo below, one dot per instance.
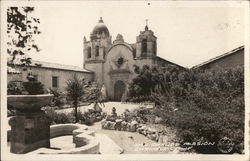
(75, 90)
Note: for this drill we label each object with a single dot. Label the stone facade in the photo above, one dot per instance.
(113, 62)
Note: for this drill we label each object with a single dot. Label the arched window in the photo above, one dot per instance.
(134, 53)
(89, 52)
(144, 46)
(97, 51)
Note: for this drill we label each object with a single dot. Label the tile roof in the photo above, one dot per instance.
(219, 57)
(160, 58)
(42, 64)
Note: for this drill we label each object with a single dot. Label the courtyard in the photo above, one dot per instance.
(131, 94)
(118, 142)
(112, 141)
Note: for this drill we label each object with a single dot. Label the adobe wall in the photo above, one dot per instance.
(45, 76)
(233, 60)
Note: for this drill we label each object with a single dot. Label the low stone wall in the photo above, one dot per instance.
(84, 140)
(134, 126)
(65, 129)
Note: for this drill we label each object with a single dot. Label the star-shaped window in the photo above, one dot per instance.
(120, 61)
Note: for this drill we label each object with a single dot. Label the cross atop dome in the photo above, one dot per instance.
(100, 30)
(146, 27)
(100, 21)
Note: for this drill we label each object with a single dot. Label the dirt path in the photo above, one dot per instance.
(120, 107)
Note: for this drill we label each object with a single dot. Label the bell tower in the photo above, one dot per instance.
(96, 48)
(100, 40)
(146, 45)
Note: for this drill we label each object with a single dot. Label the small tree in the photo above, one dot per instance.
(94, 94)
(21, 29)
(75, 91)
(152, 80)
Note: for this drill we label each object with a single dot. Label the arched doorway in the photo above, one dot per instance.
(119, 89)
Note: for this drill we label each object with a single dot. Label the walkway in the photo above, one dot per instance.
(120, 107)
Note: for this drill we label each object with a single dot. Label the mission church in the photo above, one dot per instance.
(113, 62)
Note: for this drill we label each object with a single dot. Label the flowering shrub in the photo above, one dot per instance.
(87, 118)
(91, 116)
(211, 108)
(141, 115)
(59, 118)
(204, 106)
(59, 98)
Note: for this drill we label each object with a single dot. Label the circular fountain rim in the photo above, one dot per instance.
(91, 148)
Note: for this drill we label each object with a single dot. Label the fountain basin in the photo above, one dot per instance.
(84, 140)
(29, 102)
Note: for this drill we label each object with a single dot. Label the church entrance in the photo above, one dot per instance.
(119, 90)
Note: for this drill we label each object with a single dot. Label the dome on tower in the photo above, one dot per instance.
(100, 29)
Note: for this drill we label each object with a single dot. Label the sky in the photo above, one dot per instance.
(186, 34)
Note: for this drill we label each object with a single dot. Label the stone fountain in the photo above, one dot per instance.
(30, 129)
